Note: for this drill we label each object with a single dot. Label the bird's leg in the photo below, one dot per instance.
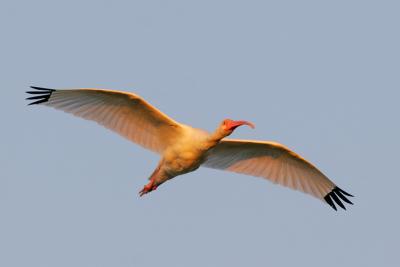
(152, 185)
(148, 188)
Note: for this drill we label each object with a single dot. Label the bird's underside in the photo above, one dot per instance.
(184, 149)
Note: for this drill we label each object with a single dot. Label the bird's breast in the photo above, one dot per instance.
(187, 154)
(180, 160)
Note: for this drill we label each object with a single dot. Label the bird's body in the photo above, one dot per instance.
(184, 149)
(186, 155)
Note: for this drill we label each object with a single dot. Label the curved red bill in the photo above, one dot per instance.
(234, 124)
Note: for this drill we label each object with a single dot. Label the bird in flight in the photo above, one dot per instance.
(184, 149)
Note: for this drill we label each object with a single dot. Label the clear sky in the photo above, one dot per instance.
(321, 77)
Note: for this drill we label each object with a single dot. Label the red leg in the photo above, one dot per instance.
(148, 188)
(151, 186)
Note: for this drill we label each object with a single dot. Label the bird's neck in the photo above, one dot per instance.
(214, 138)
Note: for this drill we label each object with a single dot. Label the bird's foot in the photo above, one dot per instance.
(148, 188)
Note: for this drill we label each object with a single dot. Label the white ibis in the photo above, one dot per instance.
(184, 149)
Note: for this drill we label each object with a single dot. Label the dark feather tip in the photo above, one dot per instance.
(344, 192)
(36, 92)
(329, 201)
(42, 88)
(336, 196)
(337, 200)
(37, 97)
(342, 197)
(42, 95)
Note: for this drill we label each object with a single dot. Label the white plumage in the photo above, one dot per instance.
(184, 149)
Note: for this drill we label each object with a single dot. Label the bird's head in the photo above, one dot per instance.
(228, 126)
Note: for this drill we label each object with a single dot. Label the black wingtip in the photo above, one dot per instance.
(337, 200)
(344, 192)
(330, 202)
(341, 196)
(42, 95)
(41, 88)
(335, 196)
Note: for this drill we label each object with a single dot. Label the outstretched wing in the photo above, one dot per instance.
(125, 113)
(276, 163)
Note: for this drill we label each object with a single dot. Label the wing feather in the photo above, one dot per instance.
(125, 113)
(276, 163)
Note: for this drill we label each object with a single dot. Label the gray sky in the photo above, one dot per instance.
(321, 77)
